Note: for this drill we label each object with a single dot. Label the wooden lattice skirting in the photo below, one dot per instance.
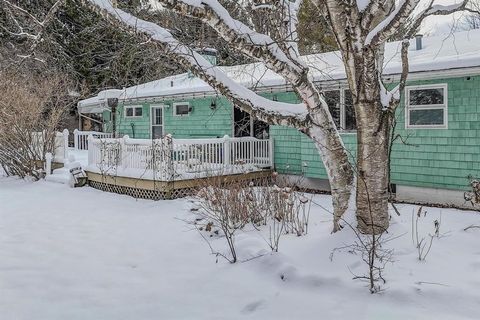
(141, 193)
(159, 190)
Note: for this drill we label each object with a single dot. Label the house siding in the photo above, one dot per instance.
(436, 158)
(442, 158)
(202, 121)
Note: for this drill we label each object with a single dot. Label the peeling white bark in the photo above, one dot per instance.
(317, 123)
(360, 35)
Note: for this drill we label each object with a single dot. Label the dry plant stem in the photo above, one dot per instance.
(471, 227)
(473, 196)
(423, 245)
(370, 246)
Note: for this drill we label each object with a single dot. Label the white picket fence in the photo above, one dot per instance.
(80, 138)
(166, 159)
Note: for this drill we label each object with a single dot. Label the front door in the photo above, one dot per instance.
(157, 122)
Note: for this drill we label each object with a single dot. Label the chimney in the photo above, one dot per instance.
(418, 42)
(208, 53)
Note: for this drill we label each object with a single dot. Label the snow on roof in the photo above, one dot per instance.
(457, 50)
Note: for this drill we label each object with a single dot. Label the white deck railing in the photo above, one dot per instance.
(166, 159)
(80, 138)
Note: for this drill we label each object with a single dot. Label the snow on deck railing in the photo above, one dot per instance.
(169, 159)
(80, 138)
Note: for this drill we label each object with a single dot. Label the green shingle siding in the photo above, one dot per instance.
(439, 158)
(136, 127)
(442, 158)
(203, 121)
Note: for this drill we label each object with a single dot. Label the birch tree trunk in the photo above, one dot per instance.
(373, 132)
(361, 30)
(372, 168)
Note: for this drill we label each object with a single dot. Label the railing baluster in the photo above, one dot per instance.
(194, 155)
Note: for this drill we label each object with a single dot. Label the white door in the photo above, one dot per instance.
(157, 122)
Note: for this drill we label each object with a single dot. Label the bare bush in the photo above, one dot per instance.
(225, 208)
(423, 243)
(473, 196)
(229, 206)
(31, 111)
(374, 253)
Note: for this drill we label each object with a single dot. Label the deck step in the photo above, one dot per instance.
(63, 175)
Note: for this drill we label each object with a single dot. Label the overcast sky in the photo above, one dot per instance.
(439, 25)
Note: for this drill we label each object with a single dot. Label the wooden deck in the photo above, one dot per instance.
(157, 190)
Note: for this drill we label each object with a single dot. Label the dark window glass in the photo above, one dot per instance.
(157, 116)
(333, 101)
(134, 111)
(241, 123)
(426, 117)
(350, 121)
(157, 132)
(182, 109)
(138, 111)
(426, 96)
(260, 129)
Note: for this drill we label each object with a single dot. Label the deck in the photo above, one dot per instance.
(169, 168)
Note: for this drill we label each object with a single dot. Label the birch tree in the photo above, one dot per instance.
(361, 28)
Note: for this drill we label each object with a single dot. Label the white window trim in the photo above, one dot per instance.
(181, 104)
(443, 106)
(343, 118)
(132, 107)
(153, 106)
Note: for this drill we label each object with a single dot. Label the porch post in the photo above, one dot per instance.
(226, 150)
(65, 144)
(271, 152)
(113, 103)
(75, 139)
(48, 163)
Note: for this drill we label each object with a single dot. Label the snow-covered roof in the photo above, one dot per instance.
(455, 51)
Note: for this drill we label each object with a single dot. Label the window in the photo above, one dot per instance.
(181, 109)
(133, 111)
(340, 105)
(157, 121)
(350, 122)
(333, 101)
(426, 106)
(246, 126)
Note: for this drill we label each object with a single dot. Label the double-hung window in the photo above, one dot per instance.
(426, 106)
(340, 105)
(133, 111)
(181, 109)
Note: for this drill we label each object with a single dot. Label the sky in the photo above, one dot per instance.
(434, 25)
(442, 25)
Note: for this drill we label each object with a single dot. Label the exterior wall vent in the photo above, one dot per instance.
(418, 42)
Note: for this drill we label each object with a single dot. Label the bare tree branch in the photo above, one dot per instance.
(264, 109)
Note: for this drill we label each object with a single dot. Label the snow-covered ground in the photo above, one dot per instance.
(84, 254)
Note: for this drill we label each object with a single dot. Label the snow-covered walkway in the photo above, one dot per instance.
(83, 254)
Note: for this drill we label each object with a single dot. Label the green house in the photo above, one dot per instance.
(437, 148)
